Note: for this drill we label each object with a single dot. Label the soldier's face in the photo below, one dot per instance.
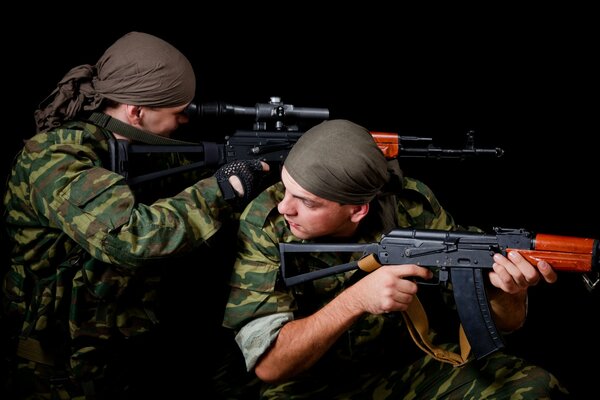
(162, 121)
(310, 216)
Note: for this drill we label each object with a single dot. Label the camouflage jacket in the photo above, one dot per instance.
(257, 288)
(84, 251)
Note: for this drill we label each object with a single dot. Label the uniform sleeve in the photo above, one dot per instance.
(254, 291)
(259, 334)
(96, 208)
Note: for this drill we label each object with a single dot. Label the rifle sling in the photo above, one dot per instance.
(130, 132)
(418, 325)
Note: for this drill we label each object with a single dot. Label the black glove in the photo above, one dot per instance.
(245, 170)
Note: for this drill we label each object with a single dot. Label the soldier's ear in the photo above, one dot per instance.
(133, 114)
(357, 213)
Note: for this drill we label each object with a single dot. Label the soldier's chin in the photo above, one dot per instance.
(299, 234)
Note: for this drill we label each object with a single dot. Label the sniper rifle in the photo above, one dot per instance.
(276, 128)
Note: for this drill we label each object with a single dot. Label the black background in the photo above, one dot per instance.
(523, 81)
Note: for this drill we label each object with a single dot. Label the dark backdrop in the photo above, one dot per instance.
(527, 88)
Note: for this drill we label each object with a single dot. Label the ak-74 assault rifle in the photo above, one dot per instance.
(461, 259)
(275, 130)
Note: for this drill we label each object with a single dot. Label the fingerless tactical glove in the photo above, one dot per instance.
(245, 170)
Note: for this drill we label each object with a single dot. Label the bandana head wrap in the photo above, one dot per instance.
(138, 69)
(338, 160)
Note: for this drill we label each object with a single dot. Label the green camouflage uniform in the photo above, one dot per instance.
(375, 358)
(61, 206)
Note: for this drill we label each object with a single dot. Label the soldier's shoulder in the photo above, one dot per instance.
(413, 184)
(264, 205)
(71, 132)
(415, 190)
(84, 128)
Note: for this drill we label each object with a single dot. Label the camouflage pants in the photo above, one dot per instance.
(30, 380)
(89, 373)
(227, 371)
(498, 376)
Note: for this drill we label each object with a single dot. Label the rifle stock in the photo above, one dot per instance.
(461, 258)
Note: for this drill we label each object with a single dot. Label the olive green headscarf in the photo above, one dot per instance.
(138, 69)
(338, 160)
